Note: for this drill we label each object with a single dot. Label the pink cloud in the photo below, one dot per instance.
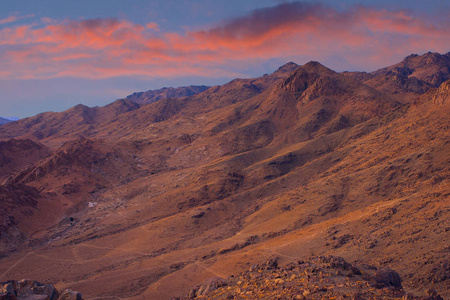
(100, 48)
(9, 19)
(152, 25)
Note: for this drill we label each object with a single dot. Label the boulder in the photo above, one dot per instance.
(210, 284)
(386, 277)
(70, 295)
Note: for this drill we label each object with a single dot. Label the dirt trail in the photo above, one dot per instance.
(17, 263)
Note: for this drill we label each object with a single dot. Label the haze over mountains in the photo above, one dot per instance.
(156, 192)
(6, 120)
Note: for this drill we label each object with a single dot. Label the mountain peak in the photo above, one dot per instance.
(290, 66)
(414, 75)
(425, 60)
(80, 107)
(305, 76)
(316, 67)
(285, 69)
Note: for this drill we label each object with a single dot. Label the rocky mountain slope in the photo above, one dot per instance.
(411, 77)
(143, 98)
(149, 201)
(16, 154)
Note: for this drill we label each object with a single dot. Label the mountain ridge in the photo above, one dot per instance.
(143, 98)
(414, 75)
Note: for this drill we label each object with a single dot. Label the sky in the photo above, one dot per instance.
(55, 54)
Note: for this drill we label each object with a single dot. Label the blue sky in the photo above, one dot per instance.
(57, 54)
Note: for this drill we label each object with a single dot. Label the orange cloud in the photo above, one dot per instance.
(362, 37)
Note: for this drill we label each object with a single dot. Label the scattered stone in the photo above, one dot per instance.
(32, 290)
(324, 277)
(196, 214)
(70, 295)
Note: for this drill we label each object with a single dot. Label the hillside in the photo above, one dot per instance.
(148, 201)
(16, 154)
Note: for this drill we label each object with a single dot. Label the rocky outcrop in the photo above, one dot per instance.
(324, 277)
(32, 290)
(442, 94)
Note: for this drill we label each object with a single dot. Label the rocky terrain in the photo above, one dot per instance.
(324, 277)
(146, 201)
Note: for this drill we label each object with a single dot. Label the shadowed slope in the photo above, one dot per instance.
(18, 154)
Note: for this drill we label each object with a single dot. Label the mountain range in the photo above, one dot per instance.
(4, 120)
(153, 194)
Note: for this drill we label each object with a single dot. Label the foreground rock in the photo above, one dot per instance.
(32, 290)
(321, 278)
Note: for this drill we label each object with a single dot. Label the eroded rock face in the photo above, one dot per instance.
(442, 95)
(324, 277)
(32, 290)
(208, 286)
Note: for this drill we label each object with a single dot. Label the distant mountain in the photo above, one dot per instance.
(4, 121)
(143, 98)
(86, 121)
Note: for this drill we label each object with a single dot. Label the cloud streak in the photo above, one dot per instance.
(13, 18)
(362, 37)
(9, 19)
